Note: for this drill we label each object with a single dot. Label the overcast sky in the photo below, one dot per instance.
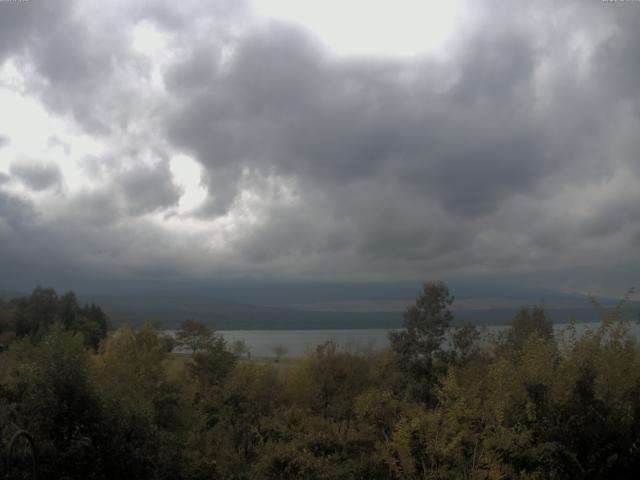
(156, 143)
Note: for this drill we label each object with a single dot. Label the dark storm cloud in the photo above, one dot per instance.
(19, 19)
(357, 129)
(57, 41)
(127, 193)
(283, 106)
(15, 211)
(37, 175)
(504, 155)
(148, 188)
(613, 216)
(616, 63)
(435, 148)
(498, 69)
(96, 208)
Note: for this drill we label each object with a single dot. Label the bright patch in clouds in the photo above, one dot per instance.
(151, 42)
(361, 27)
(36, 135)
(148, 40)
(187, 173)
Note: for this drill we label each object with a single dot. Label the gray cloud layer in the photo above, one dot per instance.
(514, 156)
(37, 175)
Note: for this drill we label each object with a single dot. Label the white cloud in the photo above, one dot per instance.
(365, 27)
(187, 173)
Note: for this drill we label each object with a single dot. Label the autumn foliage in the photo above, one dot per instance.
(442, 402)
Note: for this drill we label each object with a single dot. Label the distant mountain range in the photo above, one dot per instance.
(170, 309)
(336, 307)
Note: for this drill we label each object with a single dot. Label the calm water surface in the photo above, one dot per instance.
(297, 342)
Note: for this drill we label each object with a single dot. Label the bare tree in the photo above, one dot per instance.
(279, 351)
(194, 335)
(240, 348)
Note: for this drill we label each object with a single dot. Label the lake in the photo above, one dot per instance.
(297, 342)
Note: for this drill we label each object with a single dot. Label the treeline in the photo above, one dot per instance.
(526, 404)
(33, 317)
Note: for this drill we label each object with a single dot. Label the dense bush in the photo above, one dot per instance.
(439, 403)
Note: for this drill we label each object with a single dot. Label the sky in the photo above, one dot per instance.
(153, 144)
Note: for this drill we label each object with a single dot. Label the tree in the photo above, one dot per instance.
(6, 319)
(465, 343)
(335, 379)
(213, 362)
(33, 316)
(141, 405)
(241, 412)
(36, 314)
(528, 322)
(240, 348)
(94, 324)
(418, 345)
(47, 389)
(279, 351)
(194, 335)
(69, 310)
